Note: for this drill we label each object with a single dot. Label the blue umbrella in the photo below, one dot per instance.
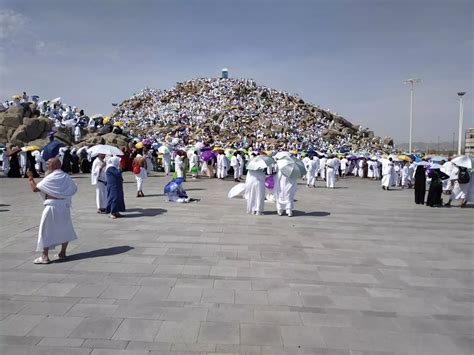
(173, 185)
(51, 150)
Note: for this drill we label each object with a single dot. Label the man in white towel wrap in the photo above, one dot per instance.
(56, 189)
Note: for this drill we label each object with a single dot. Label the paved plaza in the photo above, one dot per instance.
(356, 271)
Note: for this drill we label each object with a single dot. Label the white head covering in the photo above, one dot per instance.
(113, 161)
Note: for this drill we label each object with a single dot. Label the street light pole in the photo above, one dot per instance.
(461, 116)
(412, 82)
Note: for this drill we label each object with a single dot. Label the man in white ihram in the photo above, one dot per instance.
(330, 173)
(99, 179)
(56, 189)
(312, 167)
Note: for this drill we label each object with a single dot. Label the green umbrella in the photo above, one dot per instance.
(291, 167)
(260, 162)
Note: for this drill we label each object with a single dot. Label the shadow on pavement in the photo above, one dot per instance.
(301, 213)
(97, 253)
(143, 212)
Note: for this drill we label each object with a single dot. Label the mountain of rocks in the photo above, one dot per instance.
(239, 112)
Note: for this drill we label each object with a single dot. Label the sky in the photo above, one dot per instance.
(349, 56)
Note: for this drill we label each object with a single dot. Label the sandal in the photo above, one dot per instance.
(60, 258)
(41, 260)
(112, 216)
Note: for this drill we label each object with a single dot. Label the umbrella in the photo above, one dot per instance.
(405, 158)
(463, 161)
(199, 145)
(97, 115)
(51, 150)
(104, 149)
(175, 141)
(117, 124)
(236, 190)
(280, 155)
(294, 152)
(435, 166)
(56, 100)
(106, 120)
(155, 145)
(139, 145)
(291, 167)
(173, 185)
(438, 158)
(14, 151)
(260, 162)
(422, 163)
(30, 148)
(79, 151)
(208, 155)
(269, 182)
(164, 150)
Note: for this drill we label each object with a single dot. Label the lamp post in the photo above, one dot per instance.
(412, 82)
(461, 114)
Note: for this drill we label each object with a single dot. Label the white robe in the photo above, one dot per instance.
(179, 166)
(344, 166)
(234, 163)
(56, 225)
(311, 172)
(255, 191)
(99, 179)
(167, 163)
(322, 168)
(284, 192)
(330, 173)
(6, 162)
(387, 173)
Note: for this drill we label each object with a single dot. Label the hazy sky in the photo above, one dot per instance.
(347, 55)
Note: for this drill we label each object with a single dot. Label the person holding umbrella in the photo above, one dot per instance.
(255, 183)
(289, 170)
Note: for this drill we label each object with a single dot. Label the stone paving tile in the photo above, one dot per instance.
(97, 328)
(219, 333)
(92, 310)
(65, 342)
(251, 297)
(183, 313)
(105, 344)
(120, 292)
(87, 290)
(185, 294)
(45, 308)
(56, 326)
(19, 325)
(18, 340)
(260, 334)
(137, 330)
(55, 289)
(178, 332)
(214, 295)
(119, 352)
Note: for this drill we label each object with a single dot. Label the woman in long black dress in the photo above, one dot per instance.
(436, 187)
(74, 162)
(14, 164)
(420, 185)
(30, 165)
(66, 165)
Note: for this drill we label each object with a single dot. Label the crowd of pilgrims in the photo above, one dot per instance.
(62, 114)
(237, 102)
(445, 178)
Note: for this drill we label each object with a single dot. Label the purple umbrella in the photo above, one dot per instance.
(208, 155)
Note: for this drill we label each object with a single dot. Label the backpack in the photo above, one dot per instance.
(463, 177)
(136, 169)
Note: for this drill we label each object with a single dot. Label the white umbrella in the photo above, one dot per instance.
(104, 149)
(280, 155)
(164, 150)
(291, 167)
(97, 115)
(81, 149)
(464, 161)
(236, 190)
(199, 145)
(69, 123)
(422, 163)
(260, 162)
(56, 100)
